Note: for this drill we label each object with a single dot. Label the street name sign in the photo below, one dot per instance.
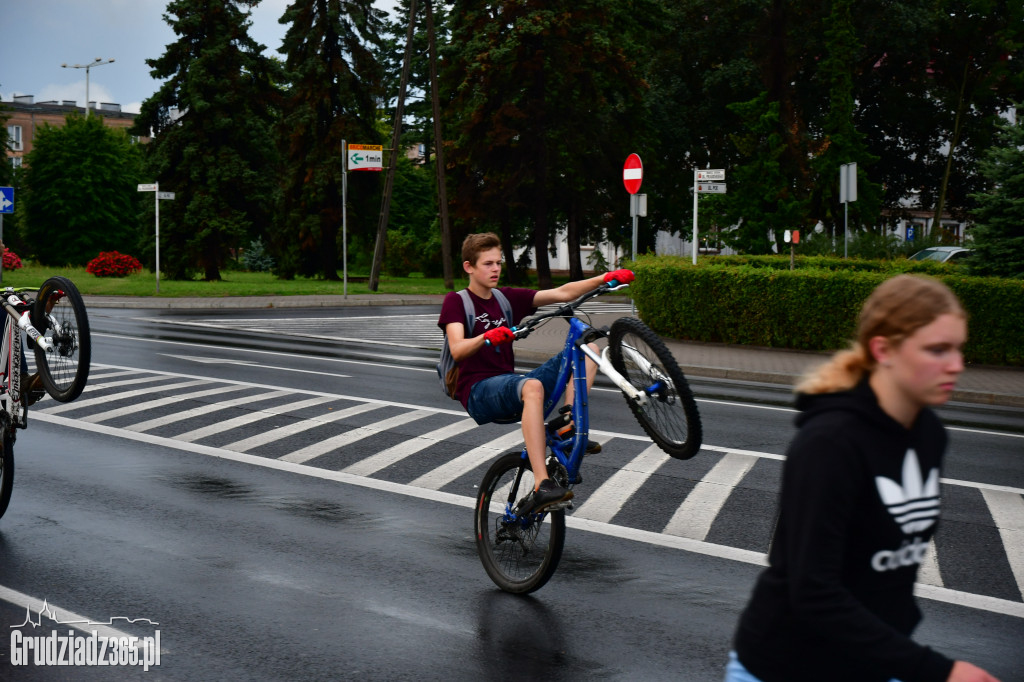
(715, 174)
(151, 187)
(366, 157)
(711, 188)
(165, 195)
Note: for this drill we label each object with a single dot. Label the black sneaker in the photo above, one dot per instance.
(32, 390)
(547, 494)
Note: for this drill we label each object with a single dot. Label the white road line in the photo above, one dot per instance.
(928, 573)
(1008, 512)
(160, 402)
(138, 393)
(242, 420)
(698, 511)
(147, 379)
(298, 426)
(206, 409)
(448, 472)
(966, 599)
(609, 498)
(99, 376)
(341, 440)
(386, 458)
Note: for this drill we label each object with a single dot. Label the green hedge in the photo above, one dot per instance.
(759, 301)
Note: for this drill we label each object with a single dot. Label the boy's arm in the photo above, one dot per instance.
(573, 290)
(462, 348)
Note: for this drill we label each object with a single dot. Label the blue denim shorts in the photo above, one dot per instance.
(501, 397)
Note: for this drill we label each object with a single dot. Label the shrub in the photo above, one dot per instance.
(113, 264)
(810, 308)
(256, 258)
(11, 260)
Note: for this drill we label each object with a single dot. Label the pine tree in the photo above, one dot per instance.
(211, 123)
(334, 82)
(999, 228)
(80, 192)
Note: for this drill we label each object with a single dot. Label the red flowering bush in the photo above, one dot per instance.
(11, 260)
(113, 264)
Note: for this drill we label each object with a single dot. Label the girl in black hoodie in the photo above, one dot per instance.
(859, 504)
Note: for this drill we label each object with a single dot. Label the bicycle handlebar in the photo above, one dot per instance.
(527, 324)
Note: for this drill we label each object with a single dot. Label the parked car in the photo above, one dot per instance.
(943, 254)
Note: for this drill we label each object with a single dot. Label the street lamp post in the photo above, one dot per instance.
(99, 61)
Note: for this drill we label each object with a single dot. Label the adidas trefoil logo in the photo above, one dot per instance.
(915, 504)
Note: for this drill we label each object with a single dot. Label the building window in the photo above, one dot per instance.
(16, 161)
(14, 135)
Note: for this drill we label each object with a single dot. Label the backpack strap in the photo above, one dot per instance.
(467, 304)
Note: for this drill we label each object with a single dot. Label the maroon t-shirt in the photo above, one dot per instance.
(490, 360)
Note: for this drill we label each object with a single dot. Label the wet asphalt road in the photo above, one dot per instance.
(257, 573)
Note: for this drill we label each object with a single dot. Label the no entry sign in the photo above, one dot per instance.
(632, 173)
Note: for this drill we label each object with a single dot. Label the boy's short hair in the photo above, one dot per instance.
(475, 244)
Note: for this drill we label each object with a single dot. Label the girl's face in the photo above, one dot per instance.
(923, 369)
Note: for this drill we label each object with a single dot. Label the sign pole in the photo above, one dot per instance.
(156, 198)
(344, 219)
(2, 248)
(695, 216)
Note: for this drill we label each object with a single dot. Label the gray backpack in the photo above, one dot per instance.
(448, 369)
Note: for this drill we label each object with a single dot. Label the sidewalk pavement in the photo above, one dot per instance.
(1002, 386)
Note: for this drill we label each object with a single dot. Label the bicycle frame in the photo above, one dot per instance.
(11, 351)
(569, 452)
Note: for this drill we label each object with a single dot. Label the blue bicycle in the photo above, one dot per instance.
(520, 552)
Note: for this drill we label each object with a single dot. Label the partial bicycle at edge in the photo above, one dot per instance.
(54, 320)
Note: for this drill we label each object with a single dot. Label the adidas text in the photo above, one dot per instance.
(909, 554)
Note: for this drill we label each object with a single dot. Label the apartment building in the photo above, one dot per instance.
(26, 116)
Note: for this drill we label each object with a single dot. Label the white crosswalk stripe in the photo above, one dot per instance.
(397, 453)
(446, 473)
(698, 511)
(205, 410)
(1008, 512)
(242, 420)
(331, 444)
(161, 402)
(609, 499)
(297, 426)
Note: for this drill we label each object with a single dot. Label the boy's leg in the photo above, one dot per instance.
(533, 428)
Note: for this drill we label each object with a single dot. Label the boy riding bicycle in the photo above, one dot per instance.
(487, 386)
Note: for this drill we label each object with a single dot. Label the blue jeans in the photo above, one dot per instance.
(735, 672)
(501, 397)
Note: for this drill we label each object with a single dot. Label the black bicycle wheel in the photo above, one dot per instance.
(520, 554)
(670, 415)
(6, 470)
(59, 314)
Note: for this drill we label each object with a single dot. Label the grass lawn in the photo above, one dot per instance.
(233, 284)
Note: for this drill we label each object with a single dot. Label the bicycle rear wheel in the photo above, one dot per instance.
(6, 469)
(59, 314)
(670, 416)
(520, 554)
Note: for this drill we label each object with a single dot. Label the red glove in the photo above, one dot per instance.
(499, 335)
(620, 276)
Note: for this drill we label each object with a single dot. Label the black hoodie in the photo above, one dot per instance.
(859, 504)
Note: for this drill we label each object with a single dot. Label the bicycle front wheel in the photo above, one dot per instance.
(670, 415)
(59, 315)
(6, 469)
(520, 554)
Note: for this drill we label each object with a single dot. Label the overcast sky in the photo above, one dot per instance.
(39, 35)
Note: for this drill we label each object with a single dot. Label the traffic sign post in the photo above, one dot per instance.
(632, 177)
(847, 193)
(705, 181)
(6, 206)
(154, 187)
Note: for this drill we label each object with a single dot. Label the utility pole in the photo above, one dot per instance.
(442, 193)
(382, 227)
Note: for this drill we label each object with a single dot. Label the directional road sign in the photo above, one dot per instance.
(716, 174)
(365, 157)
(165, 195)
(711, 188)
(6, 200)
(151, 187)
(632, 173)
